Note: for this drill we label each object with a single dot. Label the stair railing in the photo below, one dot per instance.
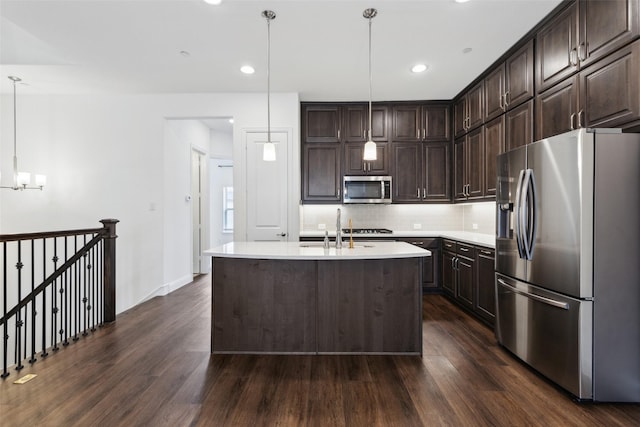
(56, 286)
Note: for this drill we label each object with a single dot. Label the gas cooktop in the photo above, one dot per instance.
(367, 231)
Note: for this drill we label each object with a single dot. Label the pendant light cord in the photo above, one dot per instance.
(370, 80)
(269, 80)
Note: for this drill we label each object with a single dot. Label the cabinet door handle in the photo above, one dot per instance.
(582, 51)
(573, 57)
(418, 193)
(580, 113)
(502, 102)
(571, 120)
(338, 134)
(506, 99)
(424, 134)
(453, 263)
(424, 192)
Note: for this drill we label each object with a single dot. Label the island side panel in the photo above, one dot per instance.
(263, 306)
(370, 306)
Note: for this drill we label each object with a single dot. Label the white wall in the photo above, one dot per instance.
(108, 156)
(181, 136)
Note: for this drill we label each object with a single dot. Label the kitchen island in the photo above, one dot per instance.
(300, 298)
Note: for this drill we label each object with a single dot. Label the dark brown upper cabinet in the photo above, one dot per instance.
(518, 129)
(421, 172)
(420, 122)
(606, 25)
(356, 122)
(605, 94)
(556, 46)
(584, 32)
(321, 175)
(321, 123)
(469, 165)
(609, 90)
(469, 110)
(557, 108)
(354, 164)
(493, 145)
(510, 83)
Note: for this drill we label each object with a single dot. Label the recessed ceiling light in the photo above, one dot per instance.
(247, 69)
(419, 68)
(231, 121)
(215, 2)
(466, 50)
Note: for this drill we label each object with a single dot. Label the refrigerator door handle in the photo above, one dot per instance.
(529, 214)
(545, 300)
(518, 215)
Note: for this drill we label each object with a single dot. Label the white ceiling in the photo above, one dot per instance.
(318, 47)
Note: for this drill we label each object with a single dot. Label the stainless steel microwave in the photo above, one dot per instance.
(366, 189)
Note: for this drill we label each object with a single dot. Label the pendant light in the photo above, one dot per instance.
(370, 146)
(269, 148)
(21, 180)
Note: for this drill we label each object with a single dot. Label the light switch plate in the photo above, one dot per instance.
(474, 226)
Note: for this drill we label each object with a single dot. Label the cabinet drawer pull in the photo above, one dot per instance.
(571, 120)
(483, 252)
(463, 249)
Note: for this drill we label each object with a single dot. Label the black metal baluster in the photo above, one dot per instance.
(93, 289)
(54, 299)
(65, 307)
(33, 302)
(19, 322)
(5, 333)
(84, 295)
(101, 283)
(44, 299)
(76, 294)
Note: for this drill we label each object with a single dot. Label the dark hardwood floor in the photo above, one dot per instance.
(153, 368)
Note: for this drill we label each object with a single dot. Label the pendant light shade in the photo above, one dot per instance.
(370, 152)
(269, 148)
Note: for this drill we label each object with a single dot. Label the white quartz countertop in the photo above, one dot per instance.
(487, 240)
(316, 251)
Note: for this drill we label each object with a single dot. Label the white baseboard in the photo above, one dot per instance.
(167, 288)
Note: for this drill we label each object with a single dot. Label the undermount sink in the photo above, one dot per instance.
(345, 245)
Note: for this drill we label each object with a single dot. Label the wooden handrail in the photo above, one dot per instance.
(48, 234)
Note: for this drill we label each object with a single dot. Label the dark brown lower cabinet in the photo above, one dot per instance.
(458, 272)
(485, 301)
(430, 265)
(468, 278)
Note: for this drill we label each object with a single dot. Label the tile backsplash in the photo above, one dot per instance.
(459, 217)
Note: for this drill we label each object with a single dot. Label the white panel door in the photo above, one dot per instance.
(267, 184)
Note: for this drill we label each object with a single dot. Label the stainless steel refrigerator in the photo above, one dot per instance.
(568, 261)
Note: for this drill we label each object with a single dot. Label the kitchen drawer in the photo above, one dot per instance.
(467, 251)
(448, 245)
(486, 251)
